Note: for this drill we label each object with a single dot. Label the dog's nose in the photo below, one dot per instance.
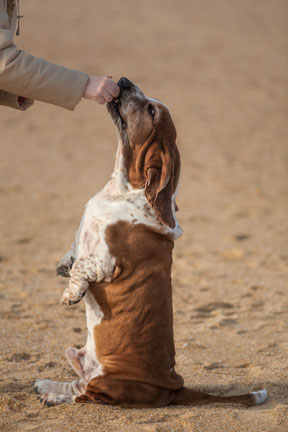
(124, 83)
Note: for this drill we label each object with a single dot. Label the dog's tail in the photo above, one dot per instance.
(186, 396)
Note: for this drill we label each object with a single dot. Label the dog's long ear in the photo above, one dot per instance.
(161, 169)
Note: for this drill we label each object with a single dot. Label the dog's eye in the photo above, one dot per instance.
(151, 110)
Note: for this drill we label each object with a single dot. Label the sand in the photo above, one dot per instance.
(221, 66)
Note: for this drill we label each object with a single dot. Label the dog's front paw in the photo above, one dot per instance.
(63, 270)
(64, 267)
(69, 298)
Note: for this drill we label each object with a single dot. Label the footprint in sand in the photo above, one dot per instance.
(18, 357)
(205, 311)
(229, 322)
(242, 237)
(211, 366)
(24, 240)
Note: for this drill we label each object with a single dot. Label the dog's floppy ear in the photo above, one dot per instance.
(161, 169)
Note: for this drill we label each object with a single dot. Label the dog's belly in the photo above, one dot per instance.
(135, 337)
(134, 340)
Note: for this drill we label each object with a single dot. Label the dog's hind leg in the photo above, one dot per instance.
(69, 389)
(52, 399)
(75, 358)
(55, 393)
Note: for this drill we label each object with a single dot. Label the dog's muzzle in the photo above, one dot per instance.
(113, 107)
(124, 83)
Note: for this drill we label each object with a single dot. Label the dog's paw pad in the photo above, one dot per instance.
(53, 399)
(43, 399)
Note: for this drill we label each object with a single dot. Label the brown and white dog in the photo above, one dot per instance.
(121, 261)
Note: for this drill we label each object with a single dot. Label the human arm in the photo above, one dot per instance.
(24, 77)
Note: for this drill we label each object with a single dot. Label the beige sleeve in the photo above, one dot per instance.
(34, 78)
(14, 101)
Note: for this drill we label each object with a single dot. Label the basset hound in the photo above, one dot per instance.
(121, 264)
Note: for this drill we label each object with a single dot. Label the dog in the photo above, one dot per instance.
(121, 264)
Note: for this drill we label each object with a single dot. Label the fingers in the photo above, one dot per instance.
(108, 97)
(114, 90)
(101, 89)
(100, 100)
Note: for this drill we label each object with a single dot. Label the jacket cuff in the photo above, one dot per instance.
(73, 89)
(14, 101)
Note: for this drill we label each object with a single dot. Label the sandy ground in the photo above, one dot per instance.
(221, 66)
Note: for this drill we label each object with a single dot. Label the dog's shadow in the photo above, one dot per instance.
(15, 387)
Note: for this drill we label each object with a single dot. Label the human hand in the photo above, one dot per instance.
(101, 89)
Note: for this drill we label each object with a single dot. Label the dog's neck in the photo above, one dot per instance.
(119, 175)
(119, 187)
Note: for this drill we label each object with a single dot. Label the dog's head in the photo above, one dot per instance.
(151, 157)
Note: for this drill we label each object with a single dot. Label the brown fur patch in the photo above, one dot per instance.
(134, 341)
